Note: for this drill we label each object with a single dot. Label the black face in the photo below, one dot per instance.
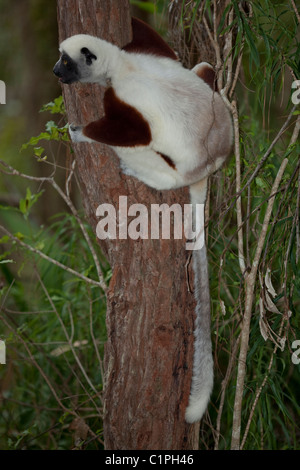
(66, 69)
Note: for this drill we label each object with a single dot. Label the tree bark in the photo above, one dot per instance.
(150, 311)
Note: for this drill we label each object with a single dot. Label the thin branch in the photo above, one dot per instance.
(263, 160)
(227, 54)
(41, 371)
(217, 52)
(84, 231)
(66, 198)
(237, 70)
(295, 10)
(13, 172)
(261, 388)
(238, 187)
(295, 132)
(51, 260)
(250, 280)
(224, 385)
(68, 337)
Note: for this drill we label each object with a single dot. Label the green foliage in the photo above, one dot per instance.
(27, 203)
(54, 325)
(61, 322)
(274, 423)
(55, 107)
(264, 36)
(55, 322)
(149, 7)
(53, 131)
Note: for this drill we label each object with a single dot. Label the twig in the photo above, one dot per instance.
(250, 284)
(217, 52)
(84, 231)
(68, 337)
(51, 260)
(261, 389)
(68, 181)
(295, 132)
(262, 161)
(227, 54)
(238, 187)
(295, 10)
(224, 387)
(66, 410)
(45, 377)
(66, 198)
(237, 69)
(13, 172)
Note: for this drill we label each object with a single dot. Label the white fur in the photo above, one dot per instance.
(107, 57)
(190, 124)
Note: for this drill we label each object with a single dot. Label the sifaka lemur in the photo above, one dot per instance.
(170, 128)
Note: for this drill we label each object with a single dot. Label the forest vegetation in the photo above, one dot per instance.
(54, 275)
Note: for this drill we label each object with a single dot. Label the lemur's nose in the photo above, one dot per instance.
(56, 69)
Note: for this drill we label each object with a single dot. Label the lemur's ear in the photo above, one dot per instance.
(89, 56)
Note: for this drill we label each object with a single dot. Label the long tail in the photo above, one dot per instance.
(202, 379)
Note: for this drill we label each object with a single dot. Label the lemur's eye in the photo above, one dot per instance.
(65, 62)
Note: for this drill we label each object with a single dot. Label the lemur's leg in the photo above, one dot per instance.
(207, 73)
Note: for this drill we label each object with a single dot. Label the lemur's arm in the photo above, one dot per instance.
(121, 126)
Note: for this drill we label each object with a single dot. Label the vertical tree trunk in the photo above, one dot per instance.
(148, 355)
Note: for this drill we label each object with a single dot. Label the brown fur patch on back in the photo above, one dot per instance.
(148, 41)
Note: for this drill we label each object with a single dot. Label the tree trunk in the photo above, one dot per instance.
(150, 311)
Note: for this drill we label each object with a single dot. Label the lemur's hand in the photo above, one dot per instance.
(77, 135)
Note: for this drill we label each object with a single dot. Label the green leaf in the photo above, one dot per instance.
(54, 107)
(26, 204)
(150, 7)
(260, 182)
(19, 235)
(251, 44)
(38, 151)
(35, 140)
(4, 239)
(50, 125)
(53, 133)
(40, 246)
